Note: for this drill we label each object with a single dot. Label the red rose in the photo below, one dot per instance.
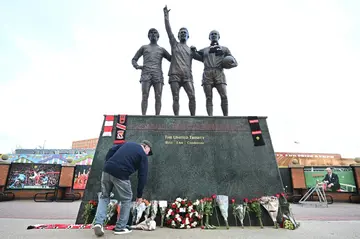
(277, 195)
(189, 204)
(172, 213)
(182, 202)
(191, 219)
(283, 194)
(177, 210)
(246, 200)
(202, 227)
(173, 205)
(233, 200)
(183, 221)
(192, 210)
(187, 215)
(214, 196)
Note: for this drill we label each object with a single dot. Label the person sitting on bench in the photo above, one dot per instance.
(332, 180)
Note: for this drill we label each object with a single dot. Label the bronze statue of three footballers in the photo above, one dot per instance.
(215, 58)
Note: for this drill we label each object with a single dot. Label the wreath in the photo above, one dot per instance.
(182, 214)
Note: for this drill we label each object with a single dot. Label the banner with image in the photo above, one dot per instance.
(345, 175)
(33, 176)
(81, 176)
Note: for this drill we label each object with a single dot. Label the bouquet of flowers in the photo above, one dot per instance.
(208, 211)
(162, 206)
(90, 211)
(111, 210)
(133, 212)
(255, 207)
(239, 211)
(146, 225)
(201, 209)
(154, 209)
(271, 204)
(140, 208)
(223, 203)
(147, 210)
(287, 218)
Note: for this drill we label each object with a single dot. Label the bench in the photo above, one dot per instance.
(6, 196)
(329, 198)
(45, 197)
(54, 196)
(295, 196)
(67, 196)
(354, 195)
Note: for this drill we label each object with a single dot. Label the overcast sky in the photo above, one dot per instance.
(63, 64)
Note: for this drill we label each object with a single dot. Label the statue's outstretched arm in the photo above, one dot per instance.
(167, 26)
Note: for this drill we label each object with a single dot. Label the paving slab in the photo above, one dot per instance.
(16, 228)
(64, 210)
(339, 220)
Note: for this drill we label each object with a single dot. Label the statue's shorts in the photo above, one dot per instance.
(180, 79)
(153, 78)
(213, 76)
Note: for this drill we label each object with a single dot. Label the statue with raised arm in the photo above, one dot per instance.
(216, 58)
(180, 74)
(151, 70)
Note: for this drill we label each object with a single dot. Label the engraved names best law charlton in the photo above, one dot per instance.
(184, 139)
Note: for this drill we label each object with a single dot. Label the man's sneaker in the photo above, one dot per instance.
(98, 230)
(122, 231)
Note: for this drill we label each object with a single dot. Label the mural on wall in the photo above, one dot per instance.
(311, 159)
(33, 176)
(344, 178)
(77, 159)
(81, 176)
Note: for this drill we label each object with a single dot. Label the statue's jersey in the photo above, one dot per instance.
(212, 60)
(152, 66)
(181, 60)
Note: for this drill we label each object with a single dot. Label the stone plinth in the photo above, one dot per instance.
(196, 157)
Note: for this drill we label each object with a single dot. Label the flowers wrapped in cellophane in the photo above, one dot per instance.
(271, 204)
(147, 210)
(133, 212)
(223, 203)
(140, 209)
(146, 225)
(111, 210)
(162, 206)
(154, 208)
(239, 212)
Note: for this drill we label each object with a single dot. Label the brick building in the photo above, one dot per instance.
(85, 144)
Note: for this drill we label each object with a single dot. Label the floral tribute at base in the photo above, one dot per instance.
(186, 214)
(183, 214)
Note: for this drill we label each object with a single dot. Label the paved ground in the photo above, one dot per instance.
(339, 220)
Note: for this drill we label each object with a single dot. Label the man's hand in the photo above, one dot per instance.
(192, 48)
(139, 67)
(330, 185)
(139, 200)
(166, 11)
